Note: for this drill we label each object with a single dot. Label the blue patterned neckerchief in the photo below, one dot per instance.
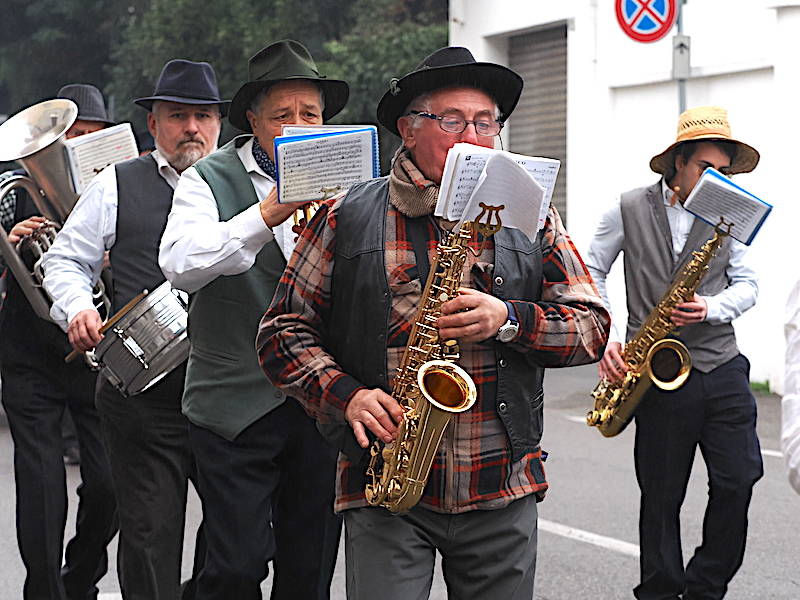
(263, 160)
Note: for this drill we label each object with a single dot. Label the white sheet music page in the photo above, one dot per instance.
(91, 153)
(504, 182)
(462, 169)
(716, 197)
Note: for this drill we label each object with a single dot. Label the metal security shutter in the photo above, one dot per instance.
(539, 123)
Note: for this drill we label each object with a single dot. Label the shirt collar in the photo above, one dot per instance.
(166, 171)
(248, 161)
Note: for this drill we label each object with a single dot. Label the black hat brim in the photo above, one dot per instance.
(336, 94)
(147, 102)
(499, 82)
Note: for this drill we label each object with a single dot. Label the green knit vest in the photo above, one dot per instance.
(226, 390)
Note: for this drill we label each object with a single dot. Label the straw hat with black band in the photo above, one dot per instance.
(449, 67)
(283, 61)
(706, 124)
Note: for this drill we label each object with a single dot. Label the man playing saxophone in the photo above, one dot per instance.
(714, 409)
(342, 316)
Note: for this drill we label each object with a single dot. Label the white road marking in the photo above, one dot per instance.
(588, 537)
(773, 453)
(109, 596)
(577, 419)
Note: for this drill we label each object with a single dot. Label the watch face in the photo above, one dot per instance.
(507, 332)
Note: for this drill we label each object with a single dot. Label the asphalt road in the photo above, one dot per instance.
(588, 523)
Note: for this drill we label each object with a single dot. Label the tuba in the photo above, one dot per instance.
(35, 138)
(429, 385)
(652, 357)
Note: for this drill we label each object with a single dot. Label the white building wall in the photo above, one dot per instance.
(622, 108)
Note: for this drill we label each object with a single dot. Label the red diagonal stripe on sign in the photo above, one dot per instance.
(644, 7)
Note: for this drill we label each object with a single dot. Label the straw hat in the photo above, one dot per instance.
(708, 123)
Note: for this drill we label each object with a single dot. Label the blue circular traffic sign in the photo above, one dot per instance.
(646, 20)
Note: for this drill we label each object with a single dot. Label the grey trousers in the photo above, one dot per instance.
(485, 553)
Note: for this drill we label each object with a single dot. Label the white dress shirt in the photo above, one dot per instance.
(73, 263)
(608, 241)
(790, 421)
(197, 247)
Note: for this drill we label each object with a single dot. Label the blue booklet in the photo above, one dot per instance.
(317, 163)
(718, 201)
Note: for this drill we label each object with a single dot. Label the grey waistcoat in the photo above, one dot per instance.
(650, 269)
(358, 318)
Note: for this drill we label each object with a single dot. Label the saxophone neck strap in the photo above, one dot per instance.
(417, 235)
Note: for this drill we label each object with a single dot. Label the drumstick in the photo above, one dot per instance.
(111, 320)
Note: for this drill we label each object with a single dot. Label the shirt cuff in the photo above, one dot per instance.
(713, 310)
(249, 226)
(76, 306)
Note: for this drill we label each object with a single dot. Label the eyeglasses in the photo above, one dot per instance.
(453, 124)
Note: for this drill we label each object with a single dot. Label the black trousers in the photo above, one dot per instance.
(35, 398)
(716, 412)
(151, 464)
(268, 495)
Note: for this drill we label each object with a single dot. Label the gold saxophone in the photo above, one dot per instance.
(429, 385)
(650, 355)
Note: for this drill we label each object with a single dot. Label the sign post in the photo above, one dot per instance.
(649, 21)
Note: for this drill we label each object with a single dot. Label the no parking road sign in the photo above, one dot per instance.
(646, 20)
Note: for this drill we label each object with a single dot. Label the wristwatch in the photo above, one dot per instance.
(509, 329)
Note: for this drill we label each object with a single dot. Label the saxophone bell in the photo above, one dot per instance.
(668, 364)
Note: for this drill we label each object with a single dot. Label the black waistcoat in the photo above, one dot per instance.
(24, 337)
(358, 320)
(144, 202)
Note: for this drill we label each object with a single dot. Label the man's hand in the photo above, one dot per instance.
(687, 313)
(23, 228)
(275, 213)
(611, 366)
(84, 330)
(377, 411)
(472, 316)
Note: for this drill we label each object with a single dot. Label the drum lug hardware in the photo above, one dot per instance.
(132, 346)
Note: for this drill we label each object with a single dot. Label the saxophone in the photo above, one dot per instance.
(651, 356)
(429, 386)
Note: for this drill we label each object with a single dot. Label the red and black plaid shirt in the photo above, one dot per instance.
(473, 468)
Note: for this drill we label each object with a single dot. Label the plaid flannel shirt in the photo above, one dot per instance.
(473, 468)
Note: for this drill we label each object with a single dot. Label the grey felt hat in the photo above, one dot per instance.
(89, 100)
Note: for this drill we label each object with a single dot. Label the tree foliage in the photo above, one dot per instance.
(121, 45)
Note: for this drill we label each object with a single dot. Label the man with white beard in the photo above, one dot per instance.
(124, 211)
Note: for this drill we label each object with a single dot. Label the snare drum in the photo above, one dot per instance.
(145, 343)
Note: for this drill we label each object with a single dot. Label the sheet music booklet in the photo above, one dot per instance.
(318, 162)
(474, 174)
(715, 196)
(91, 153)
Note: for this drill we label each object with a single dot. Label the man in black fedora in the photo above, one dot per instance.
(124, 212)
(266, 475)
(39, 389)
(339, 324)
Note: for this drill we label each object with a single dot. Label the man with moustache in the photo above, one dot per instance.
(265, 474)
(38, 390)
(124, 212)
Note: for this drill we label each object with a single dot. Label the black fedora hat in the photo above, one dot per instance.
(447, 67)
(186, 82)
(283, 61)
(91, 106)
